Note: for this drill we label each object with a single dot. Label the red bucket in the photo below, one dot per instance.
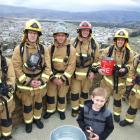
(108, 65)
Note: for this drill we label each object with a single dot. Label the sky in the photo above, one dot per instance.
(75, 5)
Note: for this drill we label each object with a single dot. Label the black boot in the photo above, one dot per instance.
(74, 113)
(125, 123)
(117, 118)
(38, 123)
(6, 137)
(47, 115)
(62, 115)
(28, 127)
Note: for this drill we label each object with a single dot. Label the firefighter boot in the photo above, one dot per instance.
(62, 115)
(38, 123)
(47, 115)
(74, 113)
(117, 118)
(125, 123)
(28, 127)
(6, 137)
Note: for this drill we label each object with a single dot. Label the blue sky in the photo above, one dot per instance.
(75, 5)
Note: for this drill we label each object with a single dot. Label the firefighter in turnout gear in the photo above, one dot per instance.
(87, 56)
(32, 65)
(63, 61)
(133, 83)
(7, 104)
(115, 83)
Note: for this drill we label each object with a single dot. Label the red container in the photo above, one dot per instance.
(108, 64)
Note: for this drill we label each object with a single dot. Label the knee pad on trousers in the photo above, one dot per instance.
(131, 111)
(6, 123)
(84, 95)
(50, 100)
(27, 109)
(38, 106)
(117, 103)
(61, 100)
(74, 97)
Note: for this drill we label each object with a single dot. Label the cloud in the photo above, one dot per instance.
(72, 5)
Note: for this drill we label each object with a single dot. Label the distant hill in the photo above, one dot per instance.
(98, 16)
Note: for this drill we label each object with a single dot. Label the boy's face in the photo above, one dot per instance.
(99, 102)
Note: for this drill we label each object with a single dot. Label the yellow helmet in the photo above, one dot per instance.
(122, 33)
(33, 25)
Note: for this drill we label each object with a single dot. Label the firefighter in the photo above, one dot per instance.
(7, 104)
(133, 83)
(63, 61)
(87, 56)
(32, 65)
(121, 53)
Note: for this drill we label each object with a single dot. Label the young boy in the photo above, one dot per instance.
(95, 117)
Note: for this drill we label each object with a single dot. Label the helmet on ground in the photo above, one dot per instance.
(85, 25)
(33, 25)
(60, 29)
(122, 33)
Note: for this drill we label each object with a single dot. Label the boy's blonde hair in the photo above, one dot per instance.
(99, 91)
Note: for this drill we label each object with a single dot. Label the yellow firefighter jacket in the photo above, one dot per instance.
(86, 57)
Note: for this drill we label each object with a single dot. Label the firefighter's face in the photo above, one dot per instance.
(99, 102)
(60, 37)
(32, 36)
(120, 42)
(85, 32)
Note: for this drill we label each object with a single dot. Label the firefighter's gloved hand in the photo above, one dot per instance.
(123, 71)
(35, 83)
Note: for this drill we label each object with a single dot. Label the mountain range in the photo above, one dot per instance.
(96, 16)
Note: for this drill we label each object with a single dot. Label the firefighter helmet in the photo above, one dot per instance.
(33, 25)
(60, 29)
(122, 33)
(85, 25)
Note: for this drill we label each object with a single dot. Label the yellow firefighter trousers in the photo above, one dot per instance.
(32, 104)
(79, 92)
(6, 124)
(133, 104)
(56, 97)
(117, 97)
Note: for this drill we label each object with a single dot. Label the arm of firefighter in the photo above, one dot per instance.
(131, 70)
(71, 65)
(10, 74)
(47, 71)
(17, 63)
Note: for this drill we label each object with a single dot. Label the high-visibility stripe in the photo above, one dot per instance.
(58, 75)
(58, 60)
(6, 133)
(81, 73)
(136, 90)
(75, 108)
(29, 121)
(45, 76)
(7, 100)
(81, 105)
(110, 81)
(37, 117)
(21, 78)
(129, 120)
(83, 54)
(67, 74)
(116, 113)
(50, 111)
(129, 79)
(138, 70)
(0, 80)
(31, 88)
(61, 110)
